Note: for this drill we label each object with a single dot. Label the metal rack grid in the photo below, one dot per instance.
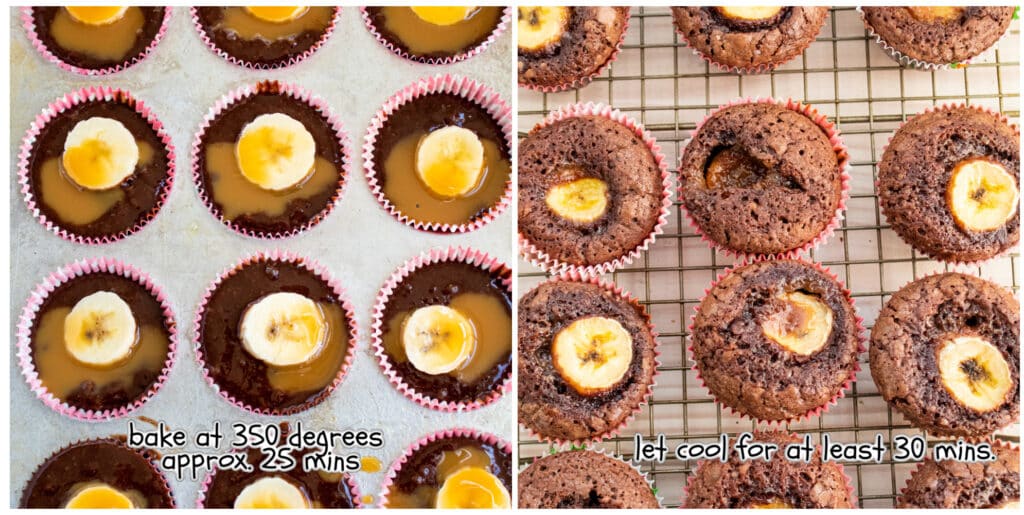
(847, 76)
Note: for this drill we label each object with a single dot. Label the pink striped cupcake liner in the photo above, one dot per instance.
(910, 62)
(541, 259)
(455, 85)
(816, 412)
(743, 70)
(849, 481)
(580, 82)
(617, 291)
(610, 454)
(466, 255)
(28, 22)
(995, 442)
(280, 256)
(957, 264)
(28, 319)
(458, 432)
(204, 488)
(295, 93)
(506, 16)
(208, 41)
(92, 94)
(152, 457)
(842, 154)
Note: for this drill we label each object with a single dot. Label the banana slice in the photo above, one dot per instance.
(271, 492)
(749, 12)
(277, 14)
(1010, 505)
(774, 504)
(100, 330)
(99, 153)
(284, 329)
(592, 354)
(473, 487)
(974, 372)
(97, 15)
(541, 28)
(582, 200)
(450, 161)
(100, 497)
(443, 15)
(438, 339)
(932, 14)
(803, 326)
(275, 152)
(981, 195)
(733, 168)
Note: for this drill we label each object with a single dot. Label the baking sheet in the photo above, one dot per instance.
(659, 82)
(185, 248)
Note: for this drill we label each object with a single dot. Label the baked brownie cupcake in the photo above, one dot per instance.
(96, 340)
(95, 40)
(747, 38)
(438, 155)
(584, 479)
(777, 483)
(293, 489)
(435, 35)
(930, 36)
(949, 183)
(96, 166)
(593, 193)
(587, 359)
(443, 329)
(264, 37)
(776, 340)
(98, 474)
(565, 47)
(275, 334)
(270, 161)
(457, 468)
(964, 485)
(762, 178)
(945, 352)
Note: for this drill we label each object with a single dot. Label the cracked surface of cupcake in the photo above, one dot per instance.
(564, 46)
(583, 479)
(939, 35)
(949, 183)
(265, 36)
(944, 352)
(749, 38)
(963, 485)
(438, 32)
(98, 38)
(776, 340)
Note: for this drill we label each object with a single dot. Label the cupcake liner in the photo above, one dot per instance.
(54, 110)
(320, 272)
(35, 302)
(204, 487)
(903, 491)
(208, 41)
(849, 481)
(296, 93)
(580, 82)
(610, 454)
(842, 154)
(29, 24)
(506, 16)
(389, 479)
(456, 85)
(815, 412)
(150, 456)
(618, 291)
(743, 70)
(934, 109)
(452, 254)
(910, 62)
(555, 266)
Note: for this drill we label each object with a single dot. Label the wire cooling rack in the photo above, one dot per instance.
(845, 74)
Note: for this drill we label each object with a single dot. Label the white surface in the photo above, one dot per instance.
(843, 74)
(185, 248)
